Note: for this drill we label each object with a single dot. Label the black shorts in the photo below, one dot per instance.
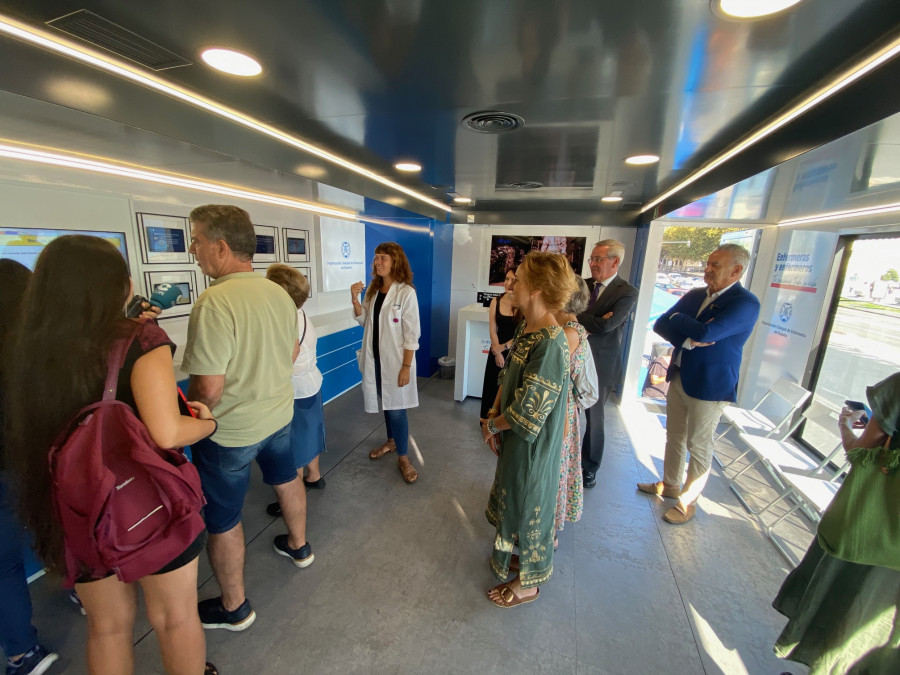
(188, 555)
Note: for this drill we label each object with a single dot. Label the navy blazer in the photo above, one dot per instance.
(710, 373)
(605, 335)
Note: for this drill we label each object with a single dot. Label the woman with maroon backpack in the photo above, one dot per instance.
(72, 333)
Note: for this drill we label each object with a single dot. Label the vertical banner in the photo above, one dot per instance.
(793, 303)
(343, 250)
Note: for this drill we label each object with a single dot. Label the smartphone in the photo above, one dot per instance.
(135, 306)
(183, 407)
(859, 405)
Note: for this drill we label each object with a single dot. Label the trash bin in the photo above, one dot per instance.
(448, 367)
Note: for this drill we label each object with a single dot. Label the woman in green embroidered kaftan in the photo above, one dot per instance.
(844, 616)
(530, 423)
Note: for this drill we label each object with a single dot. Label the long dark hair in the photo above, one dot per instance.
(73, 311)
(401, 272)
(14, 278)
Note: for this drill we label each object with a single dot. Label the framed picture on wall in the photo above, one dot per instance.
(508, 251)
(184, 280)
(164, 239)
(266, 244)
(307, 272)
(296, 245)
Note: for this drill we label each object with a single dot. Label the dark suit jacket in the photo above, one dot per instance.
(710, 373)
(605, 335)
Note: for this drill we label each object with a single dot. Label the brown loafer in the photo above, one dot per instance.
(677, 516)
(382, 450)
(660, 489)
(410, 475)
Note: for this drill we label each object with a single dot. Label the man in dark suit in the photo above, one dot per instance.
(708, 328)
(611, 301)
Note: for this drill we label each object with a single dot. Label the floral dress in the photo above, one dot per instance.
(523, 497)
(570, 498)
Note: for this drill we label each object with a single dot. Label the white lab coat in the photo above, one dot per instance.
(398, 329)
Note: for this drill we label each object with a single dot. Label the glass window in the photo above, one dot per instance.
(863, 345)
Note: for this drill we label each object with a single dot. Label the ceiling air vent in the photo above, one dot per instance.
(525, 185)
(492, 122)
(112, 37)
(630, 205)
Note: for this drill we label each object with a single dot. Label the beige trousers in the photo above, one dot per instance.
(690, 427)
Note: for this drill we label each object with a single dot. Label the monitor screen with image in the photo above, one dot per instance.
(265, 244)
(508, 252)
(24, 245)
(185, 289)
(296, 246)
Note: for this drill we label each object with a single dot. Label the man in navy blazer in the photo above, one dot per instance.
(708, 328)
(604, 319)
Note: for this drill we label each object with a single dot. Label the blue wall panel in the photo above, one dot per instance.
(415, 236)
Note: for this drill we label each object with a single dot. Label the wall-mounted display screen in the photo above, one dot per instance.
(184, 280)
(508, 252)
(185, 289)
(296, 245)
(163, 239)
(265, 244)
(24, 245)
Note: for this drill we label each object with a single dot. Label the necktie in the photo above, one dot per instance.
(596, 292)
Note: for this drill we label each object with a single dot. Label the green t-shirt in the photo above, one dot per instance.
(245, 326)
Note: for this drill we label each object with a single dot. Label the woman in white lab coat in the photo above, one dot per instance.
(389, 313)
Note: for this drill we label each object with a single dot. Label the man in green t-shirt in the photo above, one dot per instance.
(242, 341)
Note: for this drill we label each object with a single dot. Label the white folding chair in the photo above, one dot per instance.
(780, 456)
(769, 418)
(809, 491)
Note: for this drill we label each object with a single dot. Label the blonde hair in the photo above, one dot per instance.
(290, 279)
(551, 274)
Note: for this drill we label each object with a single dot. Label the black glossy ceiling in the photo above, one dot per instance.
(380, 80)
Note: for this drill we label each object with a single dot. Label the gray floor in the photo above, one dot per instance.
(399, 580)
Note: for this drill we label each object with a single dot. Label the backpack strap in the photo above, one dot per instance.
(116, 361)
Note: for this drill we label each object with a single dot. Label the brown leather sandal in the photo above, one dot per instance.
(382, 450)
(410, 475)
(506, 598)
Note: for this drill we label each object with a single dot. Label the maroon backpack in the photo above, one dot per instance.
(125, 505)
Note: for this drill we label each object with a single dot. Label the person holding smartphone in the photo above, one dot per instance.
(62, 366)
(843, 615)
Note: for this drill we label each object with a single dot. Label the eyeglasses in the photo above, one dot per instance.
(600, 259)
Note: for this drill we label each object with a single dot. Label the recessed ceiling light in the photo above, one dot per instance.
(610, 199)
(231, 62)
(751, 9)
(640, 160)
(123, 69)
(409, 167)
(461, 200)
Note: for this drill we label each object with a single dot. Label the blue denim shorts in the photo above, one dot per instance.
(225, 474)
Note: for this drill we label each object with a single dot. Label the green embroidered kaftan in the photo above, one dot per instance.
(522, 504)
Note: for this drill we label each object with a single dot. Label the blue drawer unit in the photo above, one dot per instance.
(336, 359)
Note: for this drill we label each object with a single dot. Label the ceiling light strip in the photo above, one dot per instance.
(421, 229)
(844, 80)
(61, 46)
(842, 215)
(74, 162)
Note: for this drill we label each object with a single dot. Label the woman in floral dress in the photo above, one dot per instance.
(570, 498)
